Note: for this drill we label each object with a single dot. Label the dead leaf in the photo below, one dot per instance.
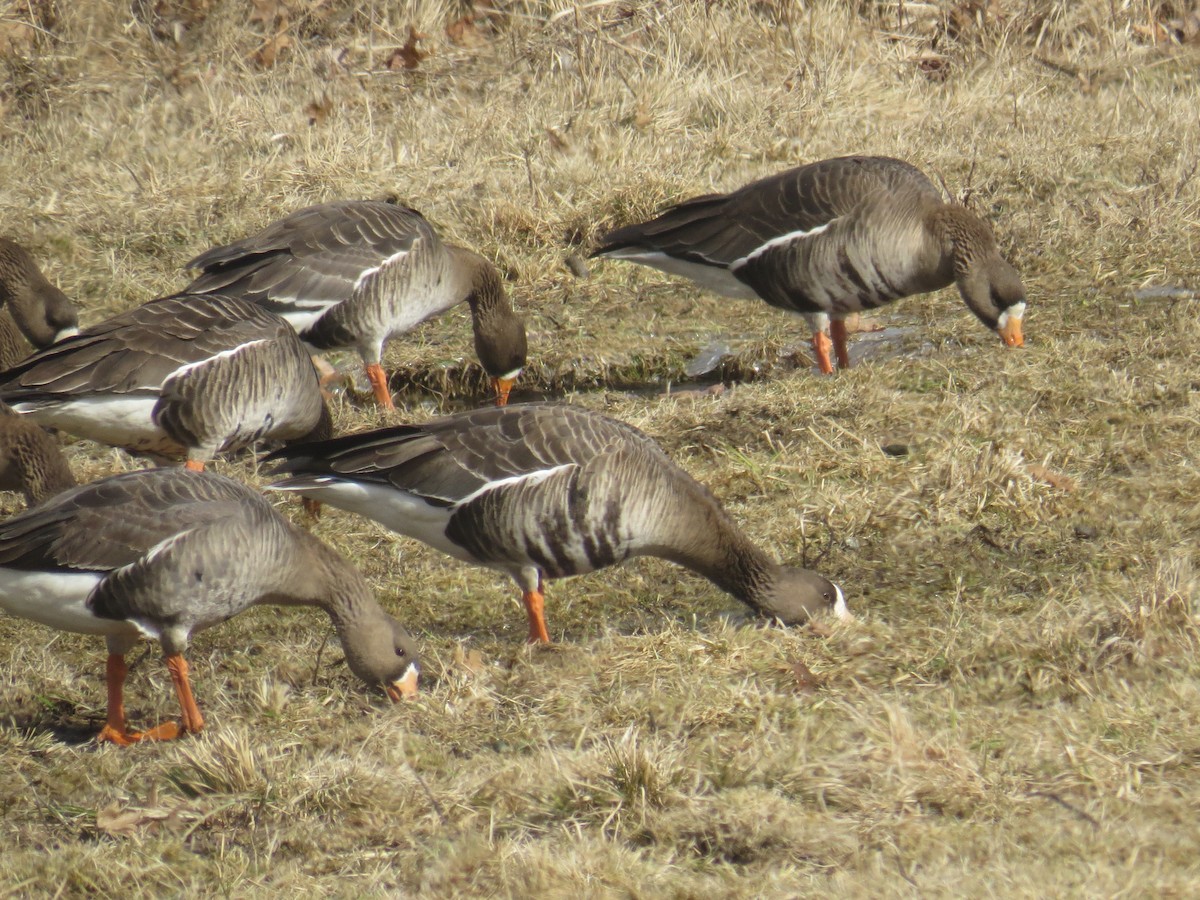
(806, 681)
(410, 55)
(266, 12)
(1050, 477)
(465, 32)
(318, 110)
(470, 662)
(266, 55)
(126, 822)
(112, 820)
(557, 141)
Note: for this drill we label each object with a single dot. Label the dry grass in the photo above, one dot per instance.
(1016, 710)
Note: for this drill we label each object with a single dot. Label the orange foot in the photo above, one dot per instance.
(110, 735)
(167, 731)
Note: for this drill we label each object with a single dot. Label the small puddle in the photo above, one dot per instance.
(1166, 292)
(726, 360)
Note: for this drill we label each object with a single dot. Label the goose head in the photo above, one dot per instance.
(43, 313)
(384, 655)
(793, 596)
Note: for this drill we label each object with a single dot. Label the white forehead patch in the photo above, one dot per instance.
(1016, 311)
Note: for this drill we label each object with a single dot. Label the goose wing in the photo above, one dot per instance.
(112, 522)
(725, 230)
(138, 350)
(314, 258)
(450, 459)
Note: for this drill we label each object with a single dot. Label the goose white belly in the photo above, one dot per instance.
(302, 318)
(716, 278)
(402, 513)
(57, 599)
(124, 420)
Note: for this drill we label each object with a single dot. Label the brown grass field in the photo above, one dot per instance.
(1016, 710)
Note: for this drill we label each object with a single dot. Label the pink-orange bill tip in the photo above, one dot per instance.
(405, 687)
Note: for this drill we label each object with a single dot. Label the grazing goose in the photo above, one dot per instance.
(354, 273)
(546, 491)
(30, 459)
(36, 312)
(185, 376)
(163, 553)
(829, 239)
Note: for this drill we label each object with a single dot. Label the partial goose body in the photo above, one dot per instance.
(186, 376)
(546, 491)
(830, 239)
(35, 311)
(31, 460)
(164, 553)
(355, 273)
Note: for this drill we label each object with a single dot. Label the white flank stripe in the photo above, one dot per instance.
(367, 273)
(530, 477)
(183, 370)
(777, 241)
(162, 547)
(65, 333)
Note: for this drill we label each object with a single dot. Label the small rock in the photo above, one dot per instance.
(895, 449)
(578, 267)
(1085, 532)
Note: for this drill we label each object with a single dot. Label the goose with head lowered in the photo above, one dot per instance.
(35, 311)
(164, 553)
(31, 460)
(186, 376)
(829, 239)
(354, 273)
(546, 491)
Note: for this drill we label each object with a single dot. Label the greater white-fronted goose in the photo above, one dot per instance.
(35, 311)
(546, 491)
(355, 273)
(31, 461)
(186, 376)
(829, 239)
(164, 553)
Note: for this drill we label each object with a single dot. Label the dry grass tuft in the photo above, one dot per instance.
(1015, 710)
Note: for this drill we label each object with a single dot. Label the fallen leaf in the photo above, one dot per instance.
(465, 32)
(806, 681)
(266, 55)
(1050, 477)
(112, 820)
(265, 11)
(470, 661)
(410, 55)
(318, 110)
(557, 141)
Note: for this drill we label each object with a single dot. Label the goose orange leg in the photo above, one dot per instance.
(379, 385)
(837, 330)
(821, 347)
(192, 720)
(534, 605)
(114, 730)
(194, 465)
